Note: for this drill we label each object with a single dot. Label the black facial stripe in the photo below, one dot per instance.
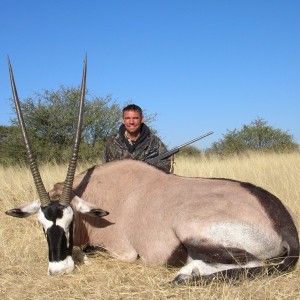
(57, 243)
(70, 248)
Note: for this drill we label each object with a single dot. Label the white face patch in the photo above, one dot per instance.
(63, 222)
(59, 224)
(61, 267)
(67, 218)
(43, 221)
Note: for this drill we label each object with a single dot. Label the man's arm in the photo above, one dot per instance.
(114, 151)
(111, 151)
(165, 164)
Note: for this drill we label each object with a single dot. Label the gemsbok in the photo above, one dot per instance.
(207, 226)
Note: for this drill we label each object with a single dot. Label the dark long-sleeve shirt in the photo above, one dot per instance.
(148, 144)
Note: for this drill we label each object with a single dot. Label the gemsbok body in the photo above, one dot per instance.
(206, 226)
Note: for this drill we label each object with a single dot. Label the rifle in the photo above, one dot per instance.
(167, 154)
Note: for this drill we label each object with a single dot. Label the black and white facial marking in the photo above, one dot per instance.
(57, 221)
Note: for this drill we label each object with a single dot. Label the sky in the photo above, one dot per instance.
(199, 65)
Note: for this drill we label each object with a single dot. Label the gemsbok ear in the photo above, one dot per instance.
(97, 212)
(87, 208)
(25, 210)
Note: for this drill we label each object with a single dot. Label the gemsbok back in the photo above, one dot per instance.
(207, 226)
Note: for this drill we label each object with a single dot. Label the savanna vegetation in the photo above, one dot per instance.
(257, 153)
(257, 136)
(50, 118)
(23, 255)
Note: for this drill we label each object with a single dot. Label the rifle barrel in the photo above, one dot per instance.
(194, 140)
(175, 150)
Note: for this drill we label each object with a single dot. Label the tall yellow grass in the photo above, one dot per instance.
(23, 255)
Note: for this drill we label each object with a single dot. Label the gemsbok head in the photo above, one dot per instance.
(55, 214)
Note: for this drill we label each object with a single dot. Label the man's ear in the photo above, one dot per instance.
(25, 210)
(87, 208)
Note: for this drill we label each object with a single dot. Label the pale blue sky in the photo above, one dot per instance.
(200, 65)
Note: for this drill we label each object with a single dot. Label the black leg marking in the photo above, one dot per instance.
(202, 250)
(90, 250)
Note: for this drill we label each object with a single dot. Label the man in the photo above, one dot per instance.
(135, 140)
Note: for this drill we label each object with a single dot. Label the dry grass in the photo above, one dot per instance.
(23, 255)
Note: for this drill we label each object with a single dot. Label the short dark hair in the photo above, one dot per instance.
(133, 107)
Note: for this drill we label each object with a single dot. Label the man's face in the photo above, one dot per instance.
(132, 121)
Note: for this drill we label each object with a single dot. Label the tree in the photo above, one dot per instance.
(11, 145)
(189, 151)
(102, 119)
(256, 136)
(50, 118)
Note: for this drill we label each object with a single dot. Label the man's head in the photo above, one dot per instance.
(132, 119)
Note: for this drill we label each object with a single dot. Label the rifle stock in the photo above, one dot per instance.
(175, 150)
